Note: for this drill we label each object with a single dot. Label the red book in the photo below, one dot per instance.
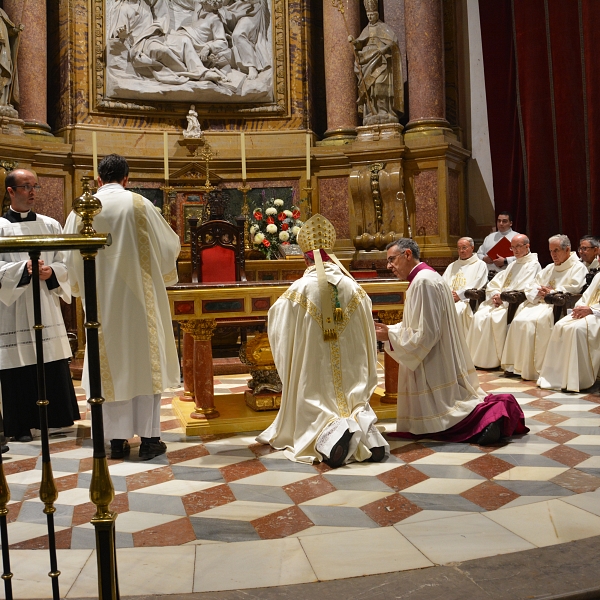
(502, 248)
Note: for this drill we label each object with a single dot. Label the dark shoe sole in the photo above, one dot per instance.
(377, 454)
(150, 451)
(23, 438)
(122, 452)
(4, 448)
(339, 451)
(491, 434)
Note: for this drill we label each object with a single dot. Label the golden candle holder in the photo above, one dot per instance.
(307, 201)
(244, 188)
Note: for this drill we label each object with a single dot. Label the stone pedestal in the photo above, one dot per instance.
(340, 80)
(31, 63)
(376, 133)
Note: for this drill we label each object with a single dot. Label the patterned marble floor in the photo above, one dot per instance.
(224, 512)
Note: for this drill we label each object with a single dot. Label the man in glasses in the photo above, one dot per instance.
(438, 390)
(589, 247)
(530, 330)
(497, 261)
(488, 330)
(17, 341)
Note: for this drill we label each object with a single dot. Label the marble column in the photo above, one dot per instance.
(188, 367)
(340, 80)
(31, 63)
(204, 391)
(390, 317)
(425, 55)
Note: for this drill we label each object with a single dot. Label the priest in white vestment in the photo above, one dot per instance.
(488, 329)
(438, 390)
(572, 360)
(138, 355)
(323, 342)
(466, 273)
(530, 330)
(503, 230)
(589, 247)
(18, 359)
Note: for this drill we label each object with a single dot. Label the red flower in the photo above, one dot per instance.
(270, 220)
(281, 216)
(296, 214)
(258, 216)
(266, 243)
(285, 243)
(284, 227)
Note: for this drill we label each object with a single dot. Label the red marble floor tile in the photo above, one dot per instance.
(596, 410)
(577, 482)
(65, 446)
(549, 418)
(171, 424)
(412, 452)
(538, 392)
(489, 495)
(488, 466)
(189, 453)
(86, 464)
(402, 477)
(32, 491)
(322, 467)
(13, 512)
(18, 466)
(556, 434)
(242, 470)
(390, 510)
(566, 455)
(174, 533)
(213, 437)
(489, 387)
(282, 523)
(66, 483)
(307, 489)
(499, 444)
(63, 541)
(83, 513)
(262, 449)
(148, 478)
(205, 499)
(544, 404)
(592, 398)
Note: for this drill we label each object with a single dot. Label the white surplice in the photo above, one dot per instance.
(464, 275)
(17, 337)
(593, 265)
(530, 330)
(488, 330)
(572, 359)
(490, 241)
(323, 381)
(138, 355)
(437, 382)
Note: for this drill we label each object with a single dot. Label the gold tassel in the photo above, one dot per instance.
(338, 315)
(329, 335)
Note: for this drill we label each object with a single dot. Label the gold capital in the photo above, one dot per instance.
(199, 329)
(390, 317)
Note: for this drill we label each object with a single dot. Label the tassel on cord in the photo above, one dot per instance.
(338, 313)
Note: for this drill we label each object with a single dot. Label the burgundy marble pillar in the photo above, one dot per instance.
(391, 380)
(340, 80)
(188, 367)
(425, 55)
(204, 391)
(31, 63)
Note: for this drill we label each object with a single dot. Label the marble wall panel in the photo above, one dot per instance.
(426, 202)
(334, 203)
(453, 204)
(50, 199)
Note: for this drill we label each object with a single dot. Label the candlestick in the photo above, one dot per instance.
(95, 156)
(243, 143)
(166, 156)
(308, 142)
(308, 201)
(246, 214)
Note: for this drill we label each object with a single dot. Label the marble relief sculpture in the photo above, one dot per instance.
(189, 50)
(9, 86)
(379, 70)
(193, 131)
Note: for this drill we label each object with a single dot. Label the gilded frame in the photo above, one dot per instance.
(279, 107)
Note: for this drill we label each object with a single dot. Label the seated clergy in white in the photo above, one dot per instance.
(323, 342)
(530, 330)
(589, 247)
(573, 356)
(466, 273)
(438, 390)
(488, 329)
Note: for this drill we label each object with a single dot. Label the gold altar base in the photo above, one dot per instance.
(258, 402)
(236, 417)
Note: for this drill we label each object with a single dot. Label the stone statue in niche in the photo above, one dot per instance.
(193, 130)
(379, 70)
(182, 50)
(9, 85)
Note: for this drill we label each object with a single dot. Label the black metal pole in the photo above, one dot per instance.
(4, 499)
(48, 491)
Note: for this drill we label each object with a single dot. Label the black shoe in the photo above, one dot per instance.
(149, 450)
(25, 437)
(377, 454)
(119, 448)
(510, 374)
(4, 448)
(491, 434)
(339, 451)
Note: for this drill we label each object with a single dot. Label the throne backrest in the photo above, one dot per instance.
(217, 251)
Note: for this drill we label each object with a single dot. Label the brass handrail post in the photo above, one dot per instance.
(48, 491)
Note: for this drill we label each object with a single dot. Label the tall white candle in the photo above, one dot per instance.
(95, 155)
(166, 155)
(308, 141)
(243, 144)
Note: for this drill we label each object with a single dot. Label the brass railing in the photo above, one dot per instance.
(101, 487)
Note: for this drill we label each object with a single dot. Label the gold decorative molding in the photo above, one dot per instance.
(390, 317)
(200, 329)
